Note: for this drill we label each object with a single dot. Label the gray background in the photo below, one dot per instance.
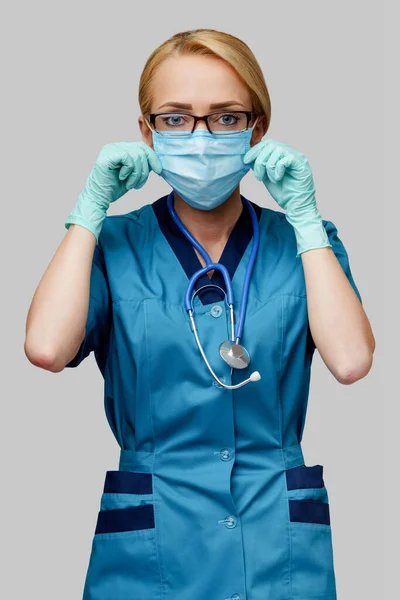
(71, 76)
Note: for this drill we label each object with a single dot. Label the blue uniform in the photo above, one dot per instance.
(211, 498)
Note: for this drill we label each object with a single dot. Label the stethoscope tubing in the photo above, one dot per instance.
(210, 265)
(192, 282)
(229, 295)
(249, 270)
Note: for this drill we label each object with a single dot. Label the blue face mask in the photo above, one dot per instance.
(204, 169)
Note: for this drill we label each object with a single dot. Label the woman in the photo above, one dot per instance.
(212, 498)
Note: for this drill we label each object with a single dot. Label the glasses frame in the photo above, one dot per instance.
(249, 114)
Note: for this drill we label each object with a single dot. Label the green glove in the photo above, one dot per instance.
(287, 176)
(119, 167)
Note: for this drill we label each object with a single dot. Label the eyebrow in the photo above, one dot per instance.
(215, 105)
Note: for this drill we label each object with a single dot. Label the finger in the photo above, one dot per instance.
(141, 167)
(153, 159)
(270, 165)
(253, 153)
(140, 184)
(144, 170)
(256, 149)
(115, 155)
(135, 174)
(134, 177)
(127, 166)
(261, 160)
(281, 166)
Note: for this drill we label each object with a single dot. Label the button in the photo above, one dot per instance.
(225, 454)
(236, 597)
(229, 521)
(216, 310)
(217, 385)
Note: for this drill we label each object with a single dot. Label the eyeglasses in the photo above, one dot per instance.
(218, 123)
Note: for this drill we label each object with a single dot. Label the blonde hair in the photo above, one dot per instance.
(215, 43)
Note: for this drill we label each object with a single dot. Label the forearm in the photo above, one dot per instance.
(338, 323)
(57, 315)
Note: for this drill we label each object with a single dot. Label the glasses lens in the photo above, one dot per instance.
(227, 122)
(174, 124)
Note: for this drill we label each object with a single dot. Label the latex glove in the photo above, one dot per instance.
(119, 167)
(287, 176)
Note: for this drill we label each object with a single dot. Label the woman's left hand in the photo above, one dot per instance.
(287, 176)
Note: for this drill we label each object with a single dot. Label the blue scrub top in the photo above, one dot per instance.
(211, 497)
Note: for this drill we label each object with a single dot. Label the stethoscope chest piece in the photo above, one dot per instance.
(234, 355)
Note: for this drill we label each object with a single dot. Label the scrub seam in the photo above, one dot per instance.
(133, 215)
(111, 344)
(230, 480)
(288, 532)
(157, 530)
(274, 297)
(262, 303)
(280, 374)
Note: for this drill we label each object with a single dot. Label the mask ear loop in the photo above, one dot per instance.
(149, 125)
(255, 123)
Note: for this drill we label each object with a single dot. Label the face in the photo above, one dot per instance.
(198, 85)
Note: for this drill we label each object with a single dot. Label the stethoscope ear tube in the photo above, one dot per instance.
(192, 282)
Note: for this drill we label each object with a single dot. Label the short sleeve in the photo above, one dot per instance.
(341, 254)
(98, 322)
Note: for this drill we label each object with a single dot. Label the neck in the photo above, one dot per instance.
(210, 227)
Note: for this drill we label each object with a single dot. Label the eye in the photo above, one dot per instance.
(227, 119)
(174, 120)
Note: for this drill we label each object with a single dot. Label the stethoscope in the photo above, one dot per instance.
(233, 353)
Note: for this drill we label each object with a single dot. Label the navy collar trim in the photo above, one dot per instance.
(235, 247)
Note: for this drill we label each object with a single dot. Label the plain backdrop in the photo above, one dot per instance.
(70, 82)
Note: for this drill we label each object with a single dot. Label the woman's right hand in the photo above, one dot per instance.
(119, 167)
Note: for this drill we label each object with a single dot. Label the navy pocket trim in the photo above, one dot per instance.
(309, 511)
(127, 482)
(304, 477)
(125, 519)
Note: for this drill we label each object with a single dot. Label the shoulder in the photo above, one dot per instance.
(277, 218)
(125, 227)
(274, 222)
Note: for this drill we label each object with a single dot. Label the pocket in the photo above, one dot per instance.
(312, 561)
(123, 561)
(126, 503)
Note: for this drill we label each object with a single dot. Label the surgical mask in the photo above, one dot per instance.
(204, 169)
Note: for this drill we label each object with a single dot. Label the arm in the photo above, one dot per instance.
(55, 326)
(66, 315)
(338, 323)
(340, 328)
